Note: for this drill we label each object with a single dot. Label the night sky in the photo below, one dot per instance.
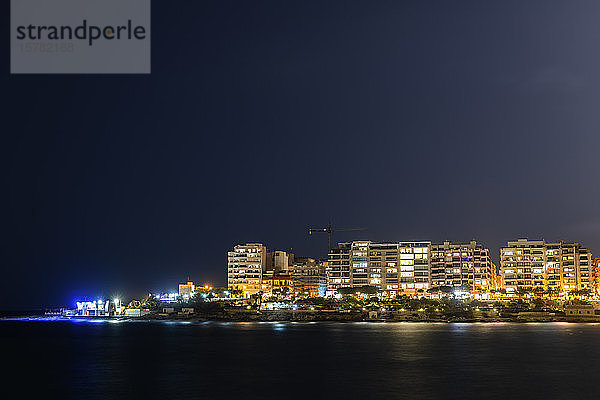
(419, 120)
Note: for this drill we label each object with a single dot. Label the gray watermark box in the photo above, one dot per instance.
(80, 36)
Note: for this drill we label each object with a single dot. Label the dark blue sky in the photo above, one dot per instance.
(419, 120)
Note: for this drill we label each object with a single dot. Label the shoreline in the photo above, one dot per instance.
(230, 314)
(274, 319)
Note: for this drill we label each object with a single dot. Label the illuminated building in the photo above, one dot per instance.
(539, 267)
(99, 308)
(119, 307)
(277, 283)
(276, 278)
(186, 290)
(586, 269)
(245, 267)
(465, 266)
(498, 279)
(338, 270)
(495, 278)
(309, 278)
(167, 297)
(394, 268)
(136, 312)
(279, 260)
(596, 276)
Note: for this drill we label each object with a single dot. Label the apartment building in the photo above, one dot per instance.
(278, 283)
(537, 266)
(245, 267)
(393, 267)
(279, 261)
(309, 277)
(585, 268)
(596, 276)
(462, 265)
(338, 270)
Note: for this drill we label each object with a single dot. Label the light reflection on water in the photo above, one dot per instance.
(375, 325)
(179, 359)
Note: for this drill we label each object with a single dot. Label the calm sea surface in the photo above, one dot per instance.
(151, 360)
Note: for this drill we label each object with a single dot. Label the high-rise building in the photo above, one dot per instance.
(462, 265)
(245, 267)
(596, 276)
(585, 269)
(394, 267)
(338, 270)
(536, 266)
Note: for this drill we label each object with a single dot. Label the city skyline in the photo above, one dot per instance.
(433, 279)
(533, 267)
(315, 199)
(413, 121)
(405, 268)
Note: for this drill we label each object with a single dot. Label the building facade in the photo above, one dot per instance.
(393, 267)
(536, 267)
(245, 267)
(540, 267)
(497, 279)
(338, 269)
(309, 277)
(462, 265)
(186, 290)
(279, 261)
(277, 283)
(596, 276)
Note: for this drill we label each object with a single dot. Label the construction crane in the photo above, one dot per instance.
(329, 230)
